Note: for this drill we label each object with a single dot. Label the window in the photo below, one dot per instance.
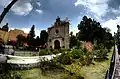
(62, 39)
(49, 40)
(57, 31)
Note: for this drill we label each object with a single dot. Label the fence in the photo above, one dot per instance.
(110, 72)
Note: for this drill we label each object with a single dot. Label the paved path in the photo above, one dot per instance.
(28, 60)
(117, 72)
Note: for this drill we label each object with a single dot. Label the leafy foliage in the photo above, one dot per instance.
(49, 65)
(65, 58)
(10, 75)
(56, 51)
(76, 53)
(91, 30)
(63, 50)
(44, 52)
(43, 37)
(101, 54)
(31, 36)
(21, 39)
(73, 40)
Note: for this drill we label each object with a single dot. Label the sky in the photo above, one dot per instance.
(43, 13)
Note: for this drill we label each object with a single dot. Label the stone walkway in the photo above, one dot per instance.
(117, 72)
(117, 66)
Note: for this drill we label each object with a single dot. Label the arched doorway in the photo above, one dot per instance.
(56, 44)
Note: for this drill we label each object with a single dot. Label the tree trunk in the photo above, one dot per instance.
(6, 10)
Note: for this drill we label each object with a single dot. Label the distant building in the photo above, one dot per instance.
(14, 33)
(58, 34)
(11, 35)
(4, 36)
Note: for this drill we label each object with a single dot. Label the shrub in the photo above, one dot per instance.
(65, 58)
(98, 46)
(63, 50)
(10, 75)
(49, 65)
(79, 43)
(56, 51)
(101, 54)
(76, 53)
(85, 60)
(43, 52)
(86, 57)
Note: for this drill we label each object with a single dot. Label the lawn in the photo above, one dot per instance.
(97, 71)
(36, 74)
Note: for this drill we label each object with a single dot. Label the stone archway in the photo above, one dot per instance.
(56, 44)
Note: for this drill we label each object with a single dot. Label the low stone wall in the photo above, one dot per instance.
(22, 66)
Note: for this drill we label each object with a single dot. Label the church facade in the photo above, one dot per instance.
(58, 34)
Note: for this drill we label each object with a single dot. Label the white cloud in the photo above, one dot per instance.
(38, 3)
(115, 11)
(21, 7)
(97, 7)
(112, 24)
(39, 11)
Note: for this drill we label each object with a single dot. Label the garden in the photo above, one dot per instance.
(71, 64)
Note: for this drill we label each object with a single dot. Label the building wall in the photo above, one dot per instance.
(4, 35)
(11, 35)
(14, 33)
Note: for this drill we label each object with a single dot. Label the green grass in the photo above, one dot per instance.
(36, 74)
(97, 71)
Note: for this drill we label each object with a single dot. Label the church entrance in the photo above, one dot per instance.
(56, 44)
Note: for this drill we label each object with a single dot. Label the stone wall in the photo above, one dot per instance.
(11, 35)
(14, 33)
(4, 36)
(22, 66)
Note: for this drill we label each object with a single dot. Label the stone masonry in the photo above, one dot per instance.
(58, 34)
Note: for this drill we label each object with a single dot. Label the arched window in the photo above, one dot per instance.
(57, 31)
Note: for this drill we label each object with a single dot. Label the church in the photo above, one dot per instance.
(58, 34)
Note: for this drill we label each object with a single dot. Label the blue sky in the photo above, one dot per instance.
(42, 13)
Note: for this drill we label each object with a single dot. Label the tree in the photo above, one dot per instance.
(5, 27)
(20, 40)
(91, 30)
(7, 9)
(43, 37)
(32, 32)
(31, 36)
(37, 41)
(73, 40)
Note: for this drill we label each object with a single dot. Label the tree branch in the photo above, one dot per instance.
(6, 10)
